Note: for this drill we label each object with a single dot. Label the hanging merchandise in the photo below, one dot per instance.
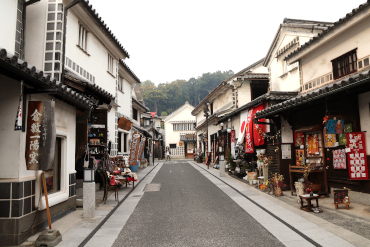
(342, 139)
(330, 140)
(339, 159)
(339, 125)
(298, 139)
(313, 144)
(330, 126)
(357, 159)
(249, 133)
(18, 119)
(348, 128)
(258, 129)
(299, 156)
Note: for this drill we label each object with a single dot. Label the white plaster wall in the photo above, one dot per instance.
(10, 146)
(200, 117)
(235, 122)
(35, 34)
(124, 99)
(259, 68)
(96, 63)
(174, 136)
(244, 93)
(287, 135)
(289, 82)
(222, 99)
(8, 19)
(364, 109)
(111, 123)
(318, 62)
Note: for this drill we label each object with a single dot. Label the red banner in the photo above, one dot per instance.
(357, 159)
(134, 150)
(232, 135)
(249, 133)
(258, 129)
(153, 113)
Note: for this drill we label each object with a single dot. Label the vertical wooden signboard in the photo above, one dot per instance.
(41, 135)
(135, 143)
(141, 147)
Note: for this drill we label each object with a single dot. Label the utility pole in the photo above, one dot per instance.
(206, 114)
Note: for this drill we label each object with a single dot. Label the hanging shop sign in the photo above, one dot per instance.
(124, 123)
(153, 113)
(232, 134)
(249, 133)
(134, 150)
(357, 159)
(141, 147)
(259, 129)
(41, 135)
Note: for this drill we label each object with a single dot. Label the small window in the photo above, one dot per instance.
(120, 84)
(173, 145)
(211, 108)
(134, 113)
(345, 64)
(366, 62)
(110, 64)
(82, 38)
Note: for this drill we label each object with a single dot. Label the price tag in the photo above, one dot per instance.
(302, 147)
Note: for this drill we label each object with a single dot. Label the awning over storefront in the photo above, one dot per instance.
(349, 84)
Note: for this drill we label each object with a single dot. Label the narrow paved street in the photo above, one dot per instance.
(189, 210)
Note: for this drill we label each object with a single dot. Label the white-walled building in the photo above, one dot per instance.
(74, 60)
(334, 85)
(179, 131)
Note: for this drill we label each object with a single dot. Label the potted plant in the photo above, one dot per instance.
(278, 182)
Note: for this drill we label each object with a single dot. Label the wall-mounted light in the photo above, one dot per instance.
(222, 124)
(229, 130)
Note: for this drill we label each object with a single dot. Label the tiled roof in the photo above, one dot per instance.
(33, 77)
(141, 105)
(270, 96)
(254, 76)
(105, 28)
(202, 103)
(97, 89)
(129, 70)
(338, 23)
(339, 86)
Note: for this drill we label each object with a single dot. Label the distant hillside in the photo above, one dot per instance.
(167, 97)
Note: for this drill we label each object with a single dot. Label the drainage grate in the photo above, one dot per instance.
(152, 187)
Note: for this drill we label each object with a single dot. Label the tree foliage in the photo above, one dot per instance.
(167, 97)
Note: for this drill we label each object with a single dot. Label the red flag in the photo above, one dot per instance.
(153, 113)
(258, 129)
(249, 133)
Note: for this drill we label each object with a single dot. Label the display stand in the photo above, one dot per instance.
(300, 169)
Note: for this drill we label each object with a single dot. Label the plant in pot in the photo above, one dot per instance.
(277, 180)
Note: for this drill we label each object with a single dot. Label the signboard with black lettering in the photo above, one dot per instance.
(141, 147)
(41, 135)
(340, 196)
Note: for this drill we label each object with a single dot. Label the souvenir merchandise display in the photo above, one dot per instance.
(249, 133)
(348, 128)
(330, 126)
(339, 126)
(330, 140)
(299, 156)
(298, 139)
(357, 159)
(342, 139)
(339, 159)
(313, 144)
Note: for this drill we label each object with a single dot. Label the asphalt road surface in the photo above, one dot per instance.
(189, 210)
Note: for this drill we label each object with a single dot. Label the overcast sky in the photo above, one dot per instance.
(172, 39)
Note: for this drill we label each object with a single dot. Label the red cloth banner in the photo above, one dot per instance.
(357, 159)
(134, 150)
(259, 129)
(249, 133)
(232, 134)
